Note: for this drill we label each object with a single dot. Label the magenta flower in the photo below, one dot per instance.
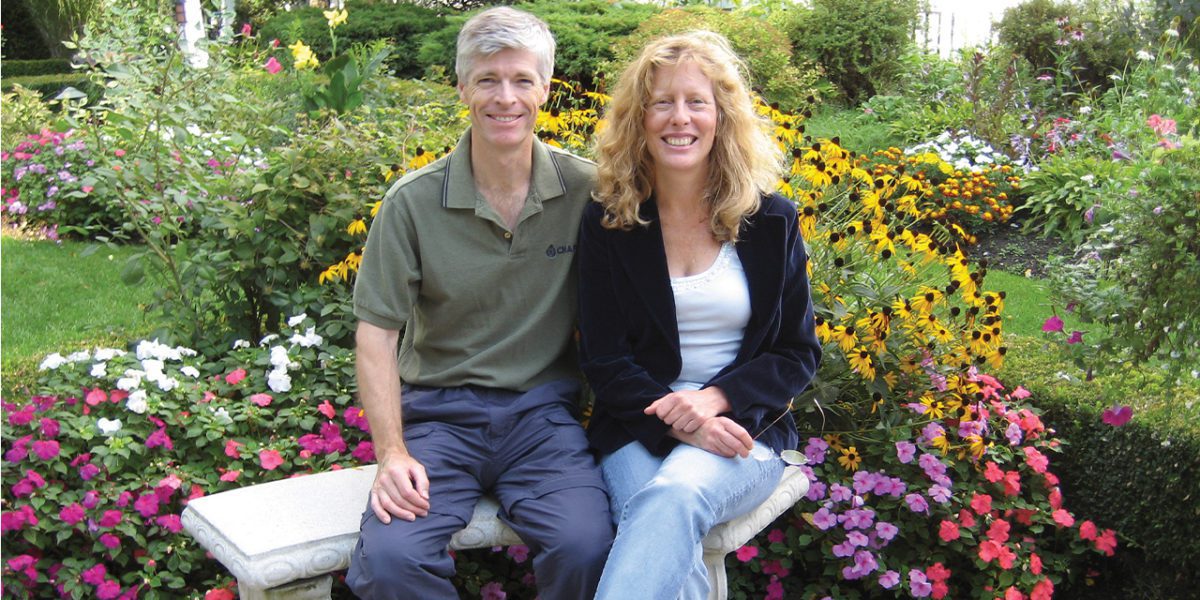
(111, 518)
(246, 31)
(50, 427)
(364, 452)
(72, 513)
(1075, 338)
(110, 541)
(747, 553)
(776, 536)
(492, 591)
(160, 438)
(272, 66)
(519, 553)
(108, 590)
(170, 523)
(356, 417)
(1117, 415)
(94, 575)
(1053, 324)
(146, 505)
(46, 449)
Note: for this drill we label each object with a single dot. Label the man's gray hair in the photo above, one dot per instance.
(502, 28)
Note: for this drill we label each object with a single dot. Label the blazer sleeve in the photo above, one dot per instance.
(622, 387)
(760, 388)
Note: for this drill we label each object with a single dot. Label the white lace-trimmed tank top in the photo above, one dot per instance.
(712, 309)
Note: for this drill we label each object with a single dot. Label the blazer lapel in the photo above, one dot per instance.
(642, 256)
(761, 251)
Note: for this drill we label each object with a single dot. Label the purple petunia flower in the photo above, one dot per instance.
(889, 580)
(905, 451)
(814, 451)
(939, 493)
(886, 531)
(916, 503)
(824, 519)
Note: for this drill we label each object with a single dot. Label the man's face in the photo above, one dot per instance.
(503, 93)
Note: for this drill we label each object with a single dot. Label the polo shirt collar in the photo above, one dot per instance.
(458, 188)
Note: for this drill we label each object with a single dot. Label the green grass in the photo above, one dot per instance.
(1027, 304)
(57, 300)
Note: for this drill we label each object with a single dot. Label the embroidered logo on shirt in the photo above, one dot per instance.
(553, 251)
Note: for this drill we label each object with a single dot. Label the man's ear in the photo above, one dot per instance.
(462, 92)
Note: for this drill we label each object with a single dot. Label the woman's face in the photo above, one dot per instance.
(680, 120)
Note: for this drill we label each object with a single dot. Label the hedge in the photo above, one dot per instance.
(1142, 478)
(24, 68)
(50, 86)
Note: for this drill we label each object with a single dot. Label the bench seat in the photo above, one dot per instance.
(283, 539)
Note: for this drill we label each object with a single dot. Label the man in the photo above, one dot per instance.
(473, 258)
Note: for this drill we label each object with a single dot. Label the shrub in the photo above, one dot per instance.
(50, 86)
(857, 43)
(25, 68)
(46, 183)
(1070, 196)
(764, 48)
(1107, 470)
(1095, 41)
(586, 33)
(404, 25)
(24, 113)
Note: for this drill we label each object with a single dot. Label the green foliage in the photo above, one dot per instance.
(1112, 472)
(50, 86)
(24, 113)
(341, 94)
(858, 43)
(49, 66)
(57, 21)
(1184, 17)
(104, 472)
(1095, 39)
(1067, 195)
(403, 25)
(763, 47)
(585, 33)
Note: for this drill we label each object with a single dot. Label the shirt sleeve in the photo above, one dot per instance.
(389, 277)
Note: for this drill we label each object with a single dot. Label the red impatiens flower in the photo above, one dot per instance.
(981, 504)
(1107, 542)
(1012, 483)
(948, 531)
(1036, 460)
(1063, 518)
(235, 376)
(231, 448)
(1087, 530)
(998, 532)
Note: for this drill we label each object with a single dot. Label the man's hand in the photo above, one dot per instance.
(687, 410)
(719, 435)
(400, 489)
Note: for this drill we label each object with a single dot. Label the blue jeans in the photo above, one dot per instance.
(663, 508)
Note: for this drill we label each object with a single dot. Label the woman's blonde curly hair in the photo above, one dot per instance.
(745, 161)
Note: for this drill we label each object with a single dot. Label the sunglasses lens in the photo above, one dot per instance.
(793, 457)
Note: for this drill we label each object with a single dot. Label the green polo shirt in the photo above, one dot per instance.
(478, 304)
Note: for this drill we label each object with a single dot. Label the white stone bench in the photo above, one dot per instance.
(283, 539)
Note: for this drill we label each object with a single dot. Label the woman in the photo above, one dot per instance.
(696, 322)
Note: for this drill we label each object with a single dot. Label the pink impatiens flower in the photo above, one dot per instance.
(948, 531)
(46, 449)
(1062, 517)
(1076, 337)
(72, 513)
(94, 575)
(231, 448)
(269, 459)
(235, 376)
(327, 409)
(1117, 415)
(261, 399)
(272, 66)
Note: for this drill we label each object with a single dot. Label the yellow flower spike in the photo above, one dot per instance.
(303, 56)
(353, 261)
(861, 362)
(335, 17)
(926, 299)
(846, 338)
(375, 208)
(421, 158)
(356, 227)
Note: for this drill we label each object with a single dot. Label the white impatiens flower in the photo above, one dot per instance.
(108, 426)
(108, 353)
(165, 383)
(237, 344)
(308, 340)
(99, 369)
(131, 381)
(1144, 55)
(268, 339)
(153, 368)
(190, 371)
(80, 356)
(1083, 110)
(137, 402)
(52, 362)
(296, 320)
(1171, 33)
(280, 358)
(222, 415)
(279, 381)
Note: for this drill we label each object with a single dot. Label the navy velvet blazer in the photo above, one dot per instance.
(629, 337)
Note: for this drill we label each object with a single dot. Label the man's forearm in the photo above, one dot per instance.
(379, 388)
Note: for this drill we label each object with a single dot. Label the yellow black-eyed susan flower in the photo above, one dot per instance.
(850, 458)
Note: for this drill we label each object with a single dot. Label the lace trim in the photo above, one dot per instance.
(699, 280)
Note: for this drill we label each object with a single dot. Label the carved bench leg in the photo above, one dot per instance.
(316, 588)
(717, 581)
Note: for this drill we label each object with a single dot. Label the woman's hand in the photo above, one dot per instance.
(719, 435)
(687, 410)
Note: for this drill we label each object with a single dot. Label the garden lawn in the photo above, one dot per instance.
(56, 299)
